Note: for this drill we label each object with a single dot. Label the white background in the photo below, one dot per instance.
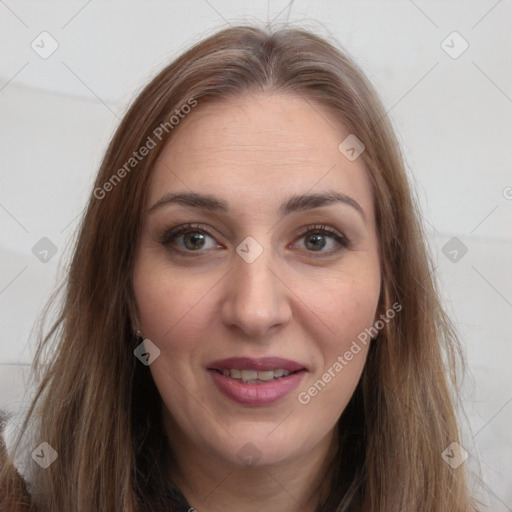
(453, 117)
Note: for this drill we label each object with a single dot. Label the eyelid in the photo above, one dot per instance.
(319, 227)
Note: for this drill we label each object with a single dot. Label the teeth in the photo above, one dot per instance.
(249, 374)
(266, 375)
(253, 376)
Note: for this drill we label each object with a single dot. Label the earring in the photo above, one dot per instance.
(138, 334)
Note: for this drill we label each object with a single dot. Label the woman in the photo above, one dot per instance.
(250, 320)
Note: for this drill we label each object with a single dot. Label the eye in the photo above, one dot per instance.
(189, 238)
(321, 239)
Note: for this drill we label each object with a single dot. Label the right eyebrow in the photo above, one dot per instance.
(204, 201)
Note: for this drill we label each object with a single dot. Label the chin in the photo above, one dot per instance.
(265, 445)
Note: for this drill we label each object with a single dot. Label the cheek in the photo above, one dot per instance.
(174, 313)
(346, 309)
(344, 351)
(172, 307)
(345, 306)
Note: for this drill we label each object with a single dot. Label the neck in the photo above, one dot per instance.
(212, 484)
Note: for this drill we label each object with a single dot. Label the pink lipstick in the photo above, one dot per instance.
(250, 381)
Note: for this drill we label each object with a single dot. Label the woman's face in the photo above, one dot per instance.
(258, 257)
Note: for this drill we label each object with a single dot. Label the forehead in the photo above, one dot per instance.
(259, 149)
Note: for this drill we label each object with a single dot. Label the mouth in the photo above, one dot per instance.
(256, 381)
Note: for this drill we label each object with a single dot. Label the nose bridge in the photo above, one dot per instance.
(256, 299)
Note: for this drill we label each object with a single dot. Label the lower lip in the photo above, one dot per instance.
(257, 394)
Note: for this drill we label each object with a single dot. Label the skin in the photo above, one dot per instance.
(255, 152)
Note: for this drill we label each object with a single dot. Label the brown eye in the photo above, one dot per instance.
(189, 238)
(321, 239)
(194, 241)
(315, 242)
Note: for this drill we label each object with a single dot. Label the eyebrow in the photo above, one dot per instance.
(294, 204)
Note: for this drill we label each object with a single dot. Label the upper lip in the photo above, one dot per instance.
(258, 364)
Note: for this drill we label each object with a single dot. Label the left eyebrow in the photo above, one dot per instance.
(303, 202)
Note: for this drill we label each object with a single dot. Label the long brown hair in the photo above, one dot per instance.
(98, 407)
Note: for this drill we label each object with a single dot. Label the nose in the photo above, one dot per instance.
(257, 300)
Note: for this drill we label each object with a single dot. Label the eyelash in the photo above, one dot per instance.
(171, 235)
